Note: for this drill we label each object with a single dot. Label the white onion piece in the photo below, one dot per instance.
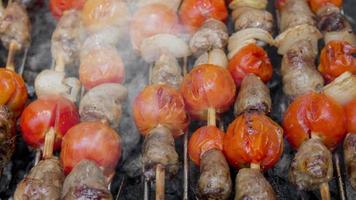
(215, 57)
(174, 4)
(291, 36)
(50, 82)
(237, 48)
(342, 89)
(347, 36)
(153, 47)
(258, 4)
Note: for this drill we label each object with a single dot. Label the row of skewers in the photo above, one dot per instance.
(314, 122)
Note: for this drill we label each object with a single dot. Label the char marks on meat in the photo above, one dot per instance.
(311, 166)
(251, 185)
(350, 157)
(159, 148)
(215, 180)
(7, 135)
(247, 17)
(86, 181)
(167, 71)
(44, 182)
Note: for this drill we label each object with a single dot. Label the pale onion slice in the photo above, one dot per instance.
(247, 36)
(258, 4)
(347, 36)
(173, 4)
(342, 89)
(215, 57)
(153, 47)
(291, 36)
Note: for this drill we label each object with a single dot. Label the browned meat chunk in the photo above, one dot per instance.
(167, 71)
(15, 26)
(213, 34)
(215, 180)
(86, 181)
(247, 17)
(350, 157)
(67, 38)
(159, 148)
(43, 182)
(311, 166)
(294, 13)
(253, 95)
(7, 135)
(251, 185)
(103, 102)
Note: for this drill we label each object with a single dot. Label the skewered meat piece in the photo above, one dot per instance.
(167, 71)
(247, 17)
(330, 19)
(215, 57)
(7, 135)
(350, 157)
(294, 13)
(15, 26)
(159, 148)
(311, 166)
(104, 102)
(215, 180)
(253, 95)
(68, 37)
(251, 185)
(86, 181)
(43, 182)
(212, 34)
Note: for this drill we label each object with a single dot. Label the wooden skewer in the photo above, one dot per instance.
(255, 166)
(339, 177)
(186, 160)
(49, 143)
(10, 57)
(211, 116)
(160, 182)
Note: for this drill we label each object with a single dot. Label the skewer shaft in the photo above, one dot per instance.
(324, 191)
(211, 117)
(339, 177)
(49, 142)
(10, 57)
(146, 192)
(255, 166)
(185, 186)
(160, 182)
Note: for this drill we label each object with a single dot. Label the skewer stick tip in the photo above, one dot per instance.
(211, 117)
(49, 143)
(11, 55)
(160, 182)
(324, 191)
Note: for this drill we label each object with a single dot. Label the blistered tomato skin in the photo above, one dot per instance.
(208, 86)
(350, 110)
(44, 113)
(253, 138)
(251, 59)
(204, 139)
(151, 20)
(92, 141)
(13, 90)
(160, 105)
(336, 58)
(193, 13)
(317, 4)
(314, 113)
(57, 7)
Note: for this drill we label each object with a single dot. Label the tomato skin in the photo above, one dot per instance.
(101, 65)
(150, 20)
(13, 90)
(92, 141)
(350, 110)
(208, 86)
(160, 105)
(315, 5)
(336, 58)
(204, 139)
(253, 138)
(251, 59)
(193, 13)
(44, 113)
(314, 113)
(57, 7)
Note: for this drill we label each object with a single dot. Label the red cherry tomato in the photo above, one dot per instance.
(91, 141)
(101, 65)
(160, 105)
(314, 113)
(204, 139)
(44, 113)
(253, 138)
(336, 58)
(350, 110)
(317, 4)
(208, 86)
(13, 90)
(193, 13)
(57, 7)
(251, 59)
(150, 20)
